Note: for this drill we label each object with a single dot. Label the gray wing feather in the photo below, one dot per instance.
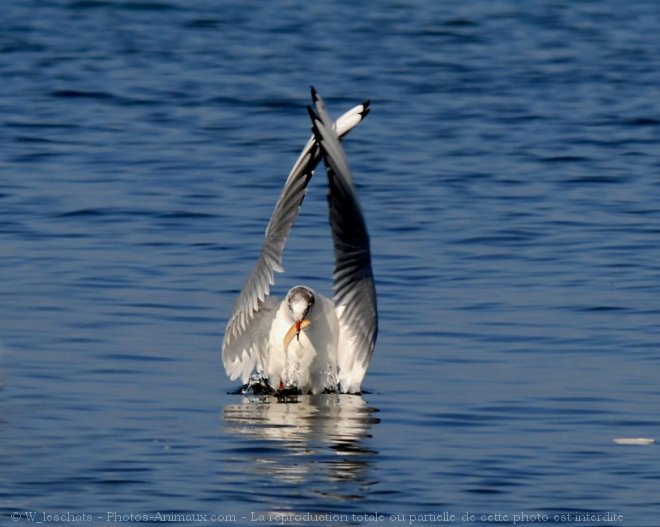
(247, 329)
(354, 290)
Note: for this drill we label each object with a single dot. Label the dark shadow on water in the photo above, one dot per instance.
(303, 438)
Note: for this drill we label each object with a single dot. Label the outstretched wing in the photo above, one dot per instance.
(246, 333)
(354, 290)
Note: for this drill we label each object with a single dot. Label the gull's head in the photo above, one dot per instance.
(300, 301)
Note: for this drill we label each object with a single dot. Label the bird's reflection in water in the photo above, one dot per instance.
(305, 437)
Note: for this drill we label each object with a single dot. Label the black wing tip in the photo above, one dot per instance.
(319, 105)
(317, 121)
(314, 117)
(366, 107)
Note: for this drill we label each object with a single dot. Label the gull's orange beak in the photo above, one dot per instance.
(295, 329)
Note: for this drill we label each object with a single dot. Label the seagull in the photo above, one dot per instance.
(308, 343)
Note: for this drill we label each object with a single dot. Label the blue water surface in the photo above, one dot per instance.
(509, 176)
